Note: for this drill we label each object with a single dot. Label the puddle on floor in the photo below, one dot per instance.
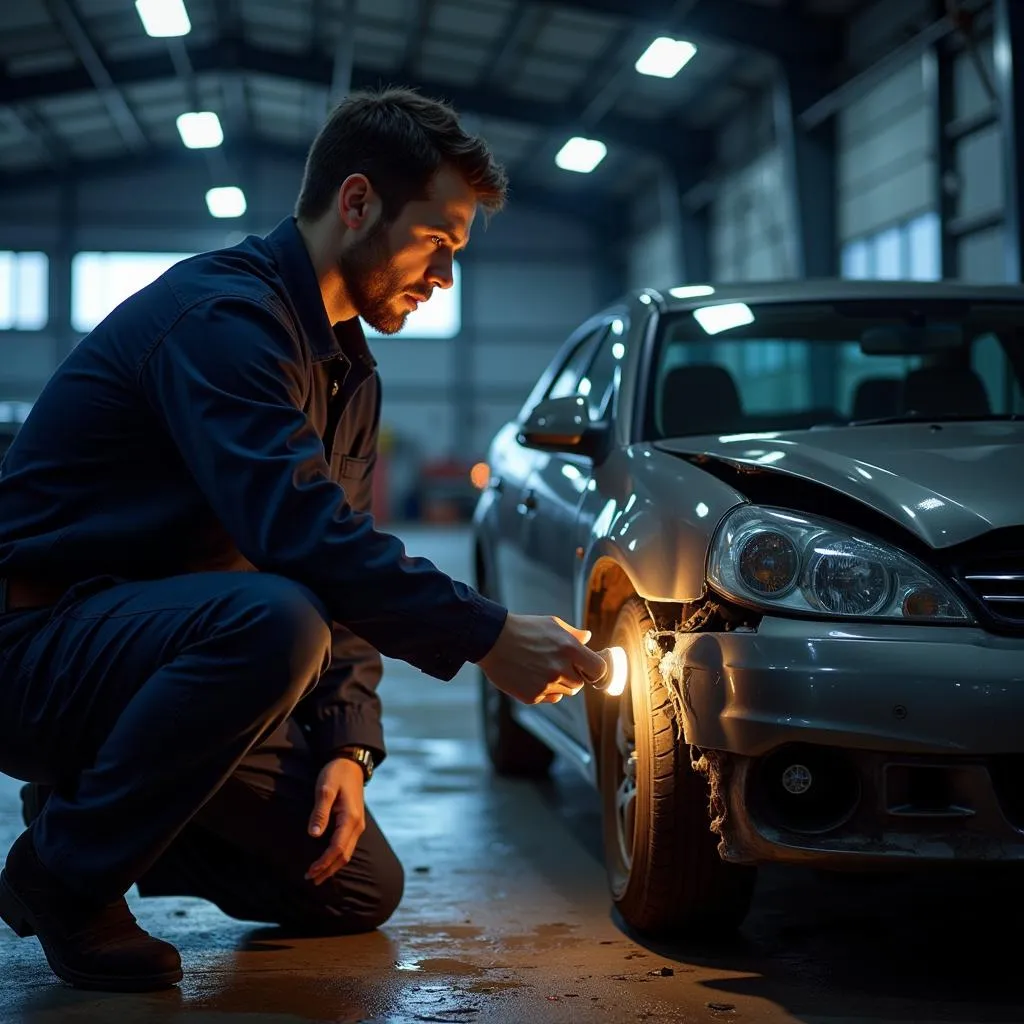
(440, 965)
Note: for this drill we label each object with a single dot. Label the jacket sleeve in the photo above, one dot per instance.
(228, 382)
(344, 708)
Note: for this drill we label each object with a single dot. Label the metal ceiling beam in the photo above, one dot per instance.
(316, 68)
(524, 22)
(784, 34)
(420, 16)
(592, 209)
(99, 75)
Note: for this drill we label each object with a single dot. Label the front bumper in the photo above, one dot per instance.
(915, 733)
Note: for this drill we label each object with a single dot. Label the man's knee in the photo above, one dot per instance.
(343, 907)
(280, 625)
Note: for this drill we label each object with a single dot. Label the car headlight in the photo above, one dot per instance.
(777, 560)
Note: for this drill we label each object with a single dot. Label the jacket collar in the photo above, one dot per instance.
(297, 273)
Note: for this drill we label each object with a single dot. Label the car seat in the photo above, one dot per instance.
(701, 398)
(877, 397)
(945, 390)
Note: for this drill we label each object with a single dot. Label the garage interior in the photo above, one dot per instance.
(784, 139)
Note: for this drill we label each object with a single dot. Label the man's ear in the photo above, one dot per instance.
(358, 203)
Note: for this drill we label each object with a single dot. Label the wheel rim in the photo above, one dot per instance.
(625, 790)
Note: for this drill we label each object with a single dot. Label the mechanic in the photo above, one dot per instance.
(194, 594)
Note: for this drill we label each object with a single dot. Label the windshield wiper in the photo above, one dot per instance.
(916, 417)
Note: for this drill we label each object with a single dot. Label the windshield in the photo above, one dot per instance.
(769, 367)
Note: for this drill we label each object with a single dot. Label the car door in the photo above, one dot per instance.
(516, 468)
(555, 490)
(544, 497)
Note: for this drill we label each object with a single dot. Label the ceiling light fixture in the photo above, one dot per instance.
(226, 201)
(200, 129)
(665, 57)
(581, 155)
(163, 18)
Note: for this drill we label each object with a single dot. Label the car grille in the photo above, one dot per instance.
(1000, 588)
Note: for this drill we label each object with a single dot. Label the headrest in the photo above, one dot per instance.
(876, 397)
(700, 399)
(935, 390)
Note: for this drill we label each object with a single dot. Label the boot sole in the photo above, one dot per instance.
(20, 920)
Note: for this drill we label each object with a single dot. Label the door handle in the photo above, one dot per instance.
(528, 505)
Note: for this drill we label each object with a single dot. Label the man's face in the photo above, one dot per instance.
(389, 269)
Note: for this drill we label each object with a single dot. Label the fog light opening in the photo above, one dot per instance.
(802, 788)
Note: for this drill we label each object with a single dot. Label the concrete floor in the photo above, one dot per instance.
(506, 918)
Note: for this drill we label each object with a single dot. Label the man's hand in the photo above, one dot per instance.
(339, 797)
(538, 659)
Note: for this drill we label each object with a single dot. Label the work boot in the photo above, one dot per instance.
(87, 945)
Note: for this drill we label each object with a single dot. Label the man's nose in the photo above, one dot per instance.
(440, 273)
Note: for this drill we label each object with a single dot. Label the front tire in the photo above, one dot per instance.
(664, 870)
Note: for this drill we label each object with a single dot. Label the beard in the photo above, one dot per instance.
(373, 285)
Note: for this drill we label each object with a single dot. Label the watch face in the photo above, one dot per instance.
(364, 759)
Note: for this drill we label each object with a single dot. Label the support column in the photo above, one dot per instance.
(938, 77)
(1009, 62)
(692, 224)
(59, 283)
(809, 172)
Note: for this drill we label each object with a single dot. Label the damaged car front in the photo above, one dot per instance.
(811, 547)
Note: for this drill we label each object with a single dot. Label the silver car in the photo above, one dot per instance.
(799, 508)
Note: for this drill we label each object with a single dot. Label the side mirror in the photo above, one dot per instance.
(563, 425)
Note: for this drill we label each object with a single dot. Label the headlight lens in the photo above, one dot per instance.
(768, 563)
(777, 559)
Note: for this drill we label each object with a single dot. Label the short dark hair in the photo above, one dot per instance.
(399, 140)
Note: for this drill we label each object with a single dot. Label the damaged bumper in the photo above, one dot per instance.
(835, 744)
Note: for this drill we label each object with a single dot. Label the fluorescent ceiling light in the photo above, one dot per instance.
(162, 18)
(692, 291)
(200, 130)
(580, 154)
(226, 201)
(715, 319)
(665, 57)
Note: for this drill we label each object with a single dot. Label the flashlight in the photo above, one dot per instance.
(616, 667)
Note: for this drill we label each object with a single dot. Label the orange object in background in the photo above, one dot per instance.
(480, 475)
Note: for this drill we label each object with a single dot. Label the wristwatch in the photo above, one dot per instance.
(363, 757)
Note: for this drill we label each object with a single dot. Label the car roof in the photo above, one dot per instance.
(691, 295)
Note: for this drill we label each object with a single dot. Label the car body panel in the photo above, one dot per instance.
(916, 688)
(945, 483)
(655, 516)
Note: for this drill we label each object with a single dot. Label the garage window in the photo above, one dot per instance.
(911, 251)
(101, 281)
(24, 301)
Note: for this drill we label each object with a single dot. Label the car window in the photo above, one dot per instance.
(567, 379)
(601, 377)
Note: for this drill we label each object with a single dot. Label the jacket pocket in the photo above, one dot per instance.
(349, 467)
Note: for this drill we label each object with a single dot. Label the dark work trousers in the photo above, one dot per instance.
(160, 712)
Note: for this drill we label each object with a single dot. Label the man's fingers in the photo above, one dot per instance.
(339, 851)
(325, 797)
(583, 659)
(583, 635)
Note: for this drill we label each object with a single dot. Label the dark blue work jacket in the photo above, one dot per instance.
(216, 420)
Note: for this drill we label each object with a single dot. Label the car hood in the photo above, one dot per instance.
(945, 482)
